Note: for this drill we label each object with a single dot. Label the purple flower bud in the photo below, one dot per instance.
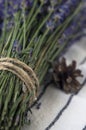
(16, 47)
(50, 25)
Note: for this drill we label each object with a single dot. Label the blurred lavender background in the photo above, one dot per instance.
(62, 9)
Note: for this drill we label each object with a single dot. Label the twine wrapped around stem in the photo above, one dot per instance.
(13, 109)
(23, 71)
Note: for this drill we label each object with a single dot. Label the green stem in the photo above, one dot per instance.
(5, 22)
(24, 27)
(50, 52)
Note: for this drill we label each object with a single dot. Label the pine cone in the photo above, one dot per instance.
(66, 76)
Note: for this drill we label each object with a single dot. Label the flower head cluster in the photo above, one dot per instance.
(76, 29)
(9, 7)
(12, 6)
(61, 12)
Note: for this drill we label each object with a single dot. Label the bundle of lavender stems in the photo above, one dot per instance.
(32, 33)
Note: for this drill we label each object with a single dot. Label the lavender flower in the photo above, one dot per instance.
(13, 6)
(76, 28)
(61, 10)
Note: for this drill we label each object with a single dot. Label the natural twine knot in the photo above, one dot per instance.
(24, 72)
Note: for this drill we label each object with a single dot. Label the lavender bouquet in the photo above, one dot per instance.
(32, 33)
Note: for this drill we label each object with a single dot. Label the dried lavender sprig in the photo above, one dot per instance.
(2, 94)
(4, 80)
(15, 96)
(53, 44)
(28, 21)
(10, 92)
